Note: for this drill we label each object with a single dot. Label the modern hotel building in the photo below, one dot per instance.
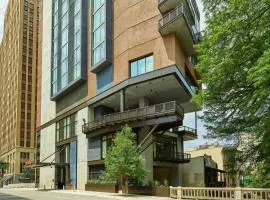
(110, 63)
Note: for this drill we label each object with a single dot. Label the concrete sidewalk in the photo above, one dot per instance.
(109, 195)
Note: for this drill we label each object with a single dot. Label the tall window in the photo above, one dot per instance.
(66, 43)
(66, 128)
(98, 17)
(106, 143)
(141, 66)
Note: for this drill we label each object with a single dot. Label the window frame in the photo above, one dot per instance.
(136, 60)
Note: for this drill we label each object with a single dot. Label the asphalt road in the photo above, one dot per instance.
(38, 195)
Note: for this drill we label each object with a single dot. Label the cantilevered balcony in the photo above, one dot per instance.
(187, 132)
(177, 21)
(163, 113)
(172, 157)
(166, 5)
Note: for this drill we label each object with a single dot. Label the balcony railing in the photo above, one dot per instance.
(173, 157)
(186, 129)
(153, 111)
(175, 13)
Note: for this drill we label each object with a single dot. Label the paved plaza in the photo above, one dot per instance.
(21, 194)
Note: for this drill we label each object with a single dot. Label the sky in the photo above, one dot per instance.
(3, 5)
(189, 118)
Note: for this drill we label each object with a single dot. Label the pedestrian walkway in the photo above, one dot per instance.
(110, 195)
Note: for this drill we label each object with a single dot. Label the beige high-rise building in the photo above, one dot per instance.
(18, 69)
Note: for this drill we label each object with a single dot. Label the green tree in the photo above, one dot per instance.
(234, 63)
(3, 167)
(123, 159)
(28, 172)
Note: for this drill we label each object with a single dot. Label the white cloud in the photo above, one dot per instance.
(3, 6)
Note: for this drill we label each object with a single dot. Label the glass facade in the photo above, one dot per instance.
(98, 31)
(66, 128)
(66, 170)
(66, 43)
(142, 66)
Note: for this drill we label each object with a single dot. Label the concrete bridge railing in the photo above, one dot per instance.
(220, 193)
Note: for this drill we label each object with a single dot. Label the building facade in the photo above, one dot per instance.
(110, 63)
(202, 171)
(222, 156)
(18, 58)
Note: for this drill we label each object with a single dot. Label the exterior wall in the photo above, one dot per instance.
(193, 173)
(215, 152)
(47, 148)
(82, 151)
(137, 38)
(47, 106)
(18, 83)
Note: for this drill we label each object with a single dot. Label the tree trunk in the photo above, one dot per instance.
(122, 184)
(126, 184)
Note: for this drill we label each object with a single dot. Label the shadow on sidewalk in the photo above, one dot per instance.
(4, 196)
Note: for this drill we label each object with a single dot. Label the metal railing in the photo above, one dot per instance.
(176, 157)
(187, 129)
(219, 193)
(135, 114)
(161, 1)
(177, 12)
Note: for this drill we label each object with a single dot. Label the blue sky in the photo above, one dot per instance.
(189, 118)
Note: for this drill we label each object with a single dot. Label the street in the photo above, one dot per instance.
(20, 194)
(38, 195)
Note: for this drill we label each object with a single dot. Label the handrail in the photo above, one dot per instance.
(219, 193)
(172, 156)
(173, 14)
(186, 128)
(147, 111)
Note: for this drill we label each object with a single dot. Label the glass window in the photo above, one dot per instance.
(141, 66)
(149, 61)
(64, 6)
(55, 32)
(77, 55)
(54, 88)
(134, 69)
(77, 5)
(64, 67)
(64, 21)
(54, 77)
(66, 128)
(55, 19)
(55, 5)
(55, 46)
(99, 53)
(77, 22)
(99, 35)
(97, 4)
(77, 70)
(64, 81)
(77, 39)
(99, 17)
(54, 61)
(64, 52)
(64, 37)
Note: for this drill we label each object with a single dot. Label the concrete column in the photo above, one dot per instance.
(143, 102)
(122, 100)
(180, 145)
